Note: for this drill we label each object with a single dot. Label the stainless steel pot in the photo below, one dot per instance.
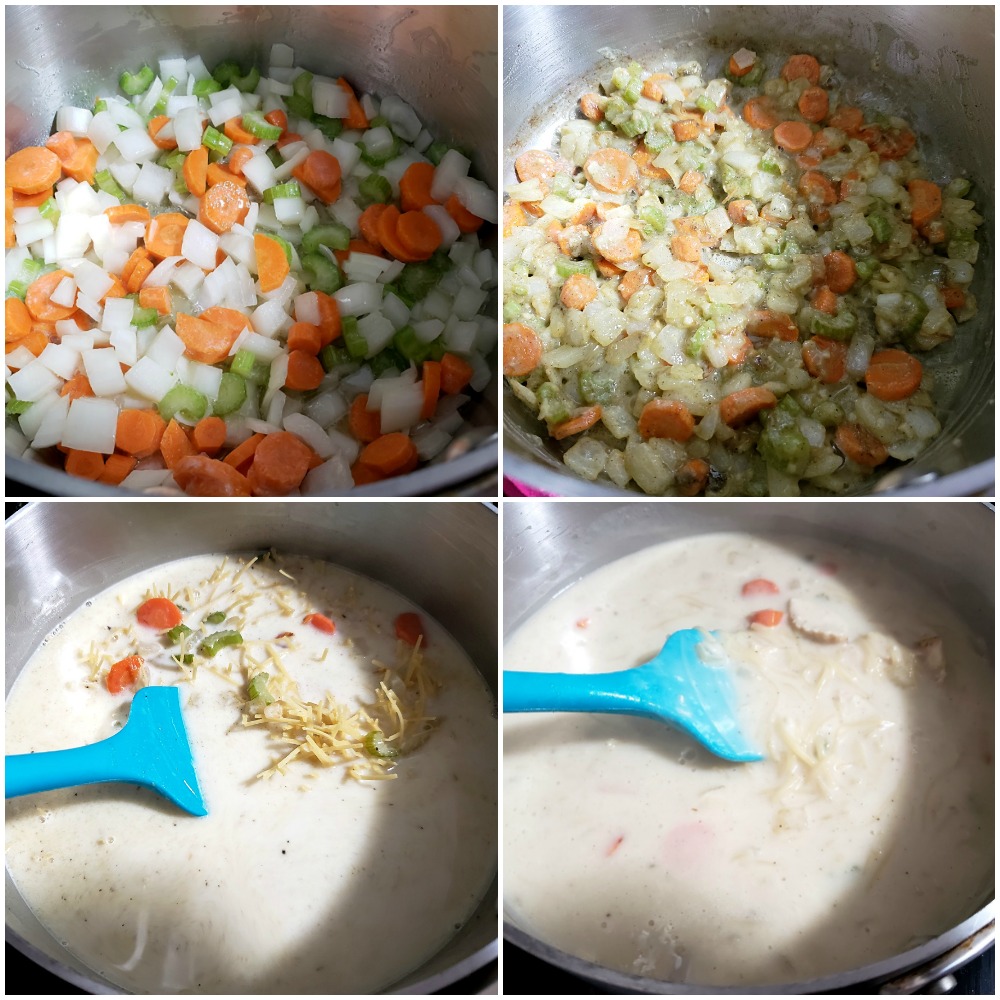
(442, 556)
(933, 65)
(442, 60)
(550, 545)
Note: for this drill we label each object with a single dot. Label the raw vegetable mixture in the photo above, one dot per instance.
(705, 301)
(243, 284)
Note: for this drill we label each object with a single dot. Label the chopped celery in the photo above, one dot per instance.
(185, 400)
(566, 268)
(100, 105)
(379, 159)
(174, 160)
(322, 274)
(105, 182)
(701, 336)
(910, 314)
(302, 85)
(216, 141)
(332, 356)
(17, 289)
(168, 88)
(18, 406)
(409, 345)
(552, 407)
(511, 311)
(257, 689)
(435, 151)
(242, 363)
(705, 104)
(50, 210)
(136, 83)
(656, 139)
(769, 163)
(255, 123)
(211, 644)
(376, 746)
(635, 124)
(880, 227)
(202, 88)
(354, 340)
(375, 188)
(247, 84)
(332, 235)
(750, 79)
(597, 388)
(828, 413)
(416, 280)
(777, 262)
(261, 372)
(232, 394)
(301, 107)
(226, 72)
(781, 444)
(144, 317)
(866, 267)
(284, 244)
(654, 217)
(386, 359)
(839, 327)
(177, 632)
(216, 618)
(330, 127)
(289, 189)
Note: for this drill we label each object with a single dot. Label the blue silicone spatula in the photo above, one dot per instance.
(151, 749)
(677, 687)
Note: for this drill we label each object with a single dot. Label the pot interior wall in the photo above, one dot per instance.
(442, 556)
(442, 60)
(931, 65)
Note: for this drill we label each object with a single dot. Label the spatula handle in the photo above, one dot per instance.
(528, 691)
(42, 772)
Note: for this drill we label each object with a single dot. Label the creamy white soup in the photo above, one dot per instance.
(868, 828)
(351, 792)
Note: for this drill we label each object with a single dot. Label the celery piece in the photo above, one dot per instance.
(202, 88)
(50, 210)
(511, 311)
(636, 123)
(177, 632)
(330, 127)
(656, 139)
(144, 317)
(380, 159)
(416, 280)
(597, 388)
(828, 413)
(211, 644)
(284, 244)
(100, 105)
(769, 163)
(174, 160)
(18, 406)
(257, 689)
(302, 85)
(136, 83)
(880, 226)
(839, 327)
(409, 345)
(354, 340)
(750, 79)
(436, 349)
(261, 373)
(232, 394)
(322, 274)
(226, 72)
(701, 336)
(616, 110)
(187, 659)
(705, 104)
(216, 141)
(777, 262)
(910, 315)
(435, 152)
(375, 188)
(782, 445)
(393, 288)
(566, 268)
(332, 235)
(161, 105)
(552, 407)
(332, 357)
(17, 290)
(247, 84)
(301, 107)
(866, 267)
(376, 746)
(654, 217)
(289, 189)
(105, 182)
(184, 400)
(216, 618)
(256, 124)
(386, 359)
(242, 363)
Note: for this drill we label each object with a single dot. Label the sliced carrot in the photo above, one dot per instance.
(893, 375)
(279, 465)
(824, 300)
(817, 189)
(686, 247)
(363, 474)
(201, 476)
(368, 223)
(32, 169)
(758, 586)
(32, 200)
(234, 130)
(890, 143)
(522, 350)
(123, 674)
(386, 227)
(76, 387)
(305, 373)
(455, 374)
(218, 174)
(390, 454)
(690, 180)
(120, 214)
(8, 202)
(209, 434)
(415, 186)
(686, 131)
(769, 618)
(581, 421)
(287, 138)
(858, 444)
(142, 270)
(666, 418)
(793, 136)
(364, 424)
(231, 320)
(799, 67)
(847, 119)
(825, 359)
(535, 164)
(160, 613)
(196, 171)
(85, 464)
(814, 104)
(139, 432)
(175, 445)
(156, 297)
(606, 269)
(277, 117)
(320, 171)
(462, 217)
(591, 108)
(692, 477)
(272, 264)
(238, 159)
(137, 255)
(737, 210)
(768, 323)
(639, 277)
(759, 113)
(320, 622)
(418, 234)
(925, 202)
(242, 455)
(39, 298)
(841, 271)
(329, 318)
(223, 206)
(305, 338)
(36, 342)
(154, 128)
(742, 406)
(734, 69)
(410, 629)
(358, 246)
(116, 469)
(17, 319)
(204, 340)
(356, 117)
(577, 291)
(616, 248)
(954, 296)
(611, 170)
(430, 375)
(165, 234)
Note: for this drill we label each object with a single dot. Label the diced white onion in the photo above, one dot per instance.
(91, 425)
(452, 168)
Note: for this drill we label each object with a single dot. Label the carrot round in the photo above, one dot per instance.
(242, 455)
(175, 445)
(893, 375)
(321, 172)
(79, 160)
(462, 217)
(847, 119)
(841, 271)
(686, 131)
(768, 323)
(581, 421)
(156, 297)
(368, 223)
(758, 586)
(825, 359)
(522, 350)
(76, 387)
(209, 434)
(234, 130)
(231, 320)
(277, 117)
(611, 170)
(279, 465)
(802, 66)
(769, 618)
(735, 69)
(824, 300)
(858, 444)
(17, 319)
(329, 318)
(39, 298)
(614, 248)
(410, 629)
(364, 424)
(535, 164)
(201, 476)
(455, 374)
(692, 477)
(272, 264)
(356, 117)
(305, 373)
(165, 234)
(758, 113)
(577, 292)
(238, 159)
(124, 673)
(793, 136)
(160, 613)
(666, 418)
(386, 229)
(85, 464)
(390, 455)
(430, 376)
(925, 202)
(196, 171)
(287, 138)
(205, 340)
(116, 468)
(814, 104)
(418, 234)
(119, 214)
(139, 432)
(638, 277)
(817, 189)
(591, 108)
(223, 206)
(320, 622)
(32, 169)
(742, 406)
(415, 186)
(305, 337)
